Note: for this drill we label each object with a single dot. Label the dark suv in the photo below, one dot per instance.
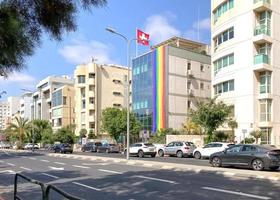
(91, 146)
(62, 148)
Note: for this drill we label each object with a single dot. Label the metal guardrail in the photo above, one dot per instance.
(44, 188)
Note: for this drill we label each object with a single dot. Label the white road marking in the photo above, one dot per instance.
(50, 175)
(1, 161)
(157, 179)
(32, 158)
(80, 184)
(8, 171)
(59, 163)
(45, 161)
(28, 169)
(11, 164)
(236, 193)
(78, 166)
(91, 164)
(56, 168)
(109, 171)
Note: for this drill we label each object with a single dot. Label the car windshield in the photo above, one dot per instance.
(98, 144)
(189, 143)
(149, 144)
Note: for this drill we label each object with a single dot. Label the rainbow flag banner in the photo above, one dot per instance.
(159, 93)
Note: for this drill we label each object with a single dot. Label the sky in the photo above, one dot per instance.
(161, 19)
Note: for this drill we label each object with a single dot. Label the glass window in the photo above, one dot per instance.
(231, 4)
(64, 100)
(231, 85)
(189, 66)
(225, 61)
(265, 110)
(225, 87)
(231, 33)
(249, 148)
(91, 75)
(231, 59)
(225, 36)
(81, 79)
(171, 144)
(202, 86)
(83, 104)
(234, 149)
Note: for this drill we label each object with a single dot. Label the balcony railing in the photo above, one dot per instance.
(262, 29)
(261, 58)
(264, 1)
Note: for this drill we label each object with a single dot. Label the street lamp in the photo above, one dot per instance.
(33, 131)
(128, 42)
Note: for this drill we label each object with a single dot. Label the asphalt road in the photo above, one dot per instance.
(103, 180)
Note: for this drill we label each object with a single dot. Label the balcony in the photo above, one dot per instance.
(262, 63)
(262, 29)
(91, 118)
(261, 5)
(265, 124)
(91, 106)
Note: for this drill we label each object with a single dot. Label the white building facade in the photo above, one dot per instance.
(25, 106)
(245, 65)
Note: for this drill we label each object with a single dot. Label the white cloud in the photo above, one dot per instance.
(198, 27)
(160, 29)
(23, 79)
(81, 51)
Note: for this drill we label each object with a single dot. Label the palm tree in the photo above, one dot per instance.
(20, 128)
(233, 125)
(256, 134)
(40, 127)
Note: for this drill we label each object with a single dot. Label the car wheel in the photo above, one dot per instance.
(160, 153)
(140, 154)
(179, 154)
(197, 155)
(216, 162)
(274, 168)
(257, 164)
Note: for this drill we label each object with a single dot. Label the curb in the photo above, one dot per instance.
(263, 175)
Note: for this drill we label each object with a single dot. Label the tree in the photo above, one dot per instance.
(233, 125)
(48, 137)
(220, 136)
(83, 133)
(91, 135)
(210, 115)
(20, 127)
(191, 128)
(65, 135)
(23, 22)
(256, 134)
(114, 122)
(160, 136)
(40, 127)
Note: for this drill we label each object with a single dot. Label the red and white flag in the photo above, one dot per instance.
(143, 38)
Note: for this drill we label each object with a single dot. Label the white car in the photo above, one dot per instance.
(210, 148)
(142, 149)
(30, 146)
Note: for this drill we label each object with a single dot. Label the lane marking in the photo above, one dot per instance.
(109, 171)
(56, 168)
(28, 169)
(78, 166)
(59, 163)
(80, 184)
(44, 160)
(33, 158)
(156, 179)
(50, 175)
(91, 164)
(11, 164)
(8, 171)
(1, 161)
(236, 193)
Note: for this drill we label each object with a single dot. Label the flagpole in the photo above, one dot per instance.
(136, 43)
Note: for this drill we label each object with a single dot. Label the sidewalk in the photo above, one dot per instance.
(231, 172)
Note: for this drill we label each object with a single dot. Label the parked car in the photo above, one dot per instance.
(5, 145)
(62, 148)
(91, 146)
(30, 146)
(108, 148)
(177, 148)
(210, 148)
(142, 149)
(256, 157)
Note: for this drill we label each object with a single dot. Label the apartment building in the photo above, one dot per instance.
(25, 106)
(63, 107)
(97, 87)
(245, 44)
(42, 98)
(168, 81)
(4, 114)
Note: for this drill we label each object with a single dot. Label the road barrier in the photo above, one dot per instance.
(44, 188)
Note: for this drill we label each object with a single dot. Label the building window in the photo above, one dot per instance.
(189, 104)
(265, 110)
(202, 68)
(265, 82)
(83, 104)
(226, 86)
(223, 62)
(92, 125)
(117, 93)
(83, 92)
(91, 75)
(116, 105)
(202, 86)
(116, 81)
(224, 36)
(91, 100)
(91, 88)
(266, 136)
(64, 100)
(91, 112)
(189, 83)
(57, 98)
(81, 79)
(221, 9)
(189, 66)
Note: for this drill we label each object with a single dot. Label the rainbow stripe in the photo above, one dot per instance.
(159, 88)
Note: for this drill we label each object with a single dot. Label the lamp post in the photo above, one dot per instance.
(128, 42)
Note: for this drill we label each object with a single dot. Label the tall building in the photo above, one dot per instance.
(4, 114)
(14, 105)
(98, 87)
(25, 106)
(245, 43)
(42, 98)
(169, 80)
(63, 112)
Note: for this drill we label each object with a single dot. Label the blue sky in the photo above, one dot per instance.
(161, 19)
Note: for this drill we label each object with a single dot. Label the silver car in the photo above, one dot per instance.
(178, 148)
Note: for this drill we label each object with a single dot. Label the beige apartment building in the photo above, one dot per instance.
(97, 87)
(63, 107)
(245, 48)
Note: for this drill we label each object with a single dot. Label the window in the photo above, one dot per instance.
(234, 149)
(202, 86)
(223, 62)
(117, 93)
(81, 79)
(223, 8)
(189, 85)
(83, 92)
(91, 112)
(249, 149)
(179, 144)
(57, 98)
(265, 110)
(64, 100)
(91, 87)
(83, 104)
(202, 68)
(91, 75)
(91, 100)
(189, 65)
(170, 144)
(226, 86)
(265, 82)
(224, 36)
(189, 104)
(217, 145)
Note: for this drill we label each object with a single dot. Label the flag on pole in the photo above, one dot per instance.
(142, 38)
